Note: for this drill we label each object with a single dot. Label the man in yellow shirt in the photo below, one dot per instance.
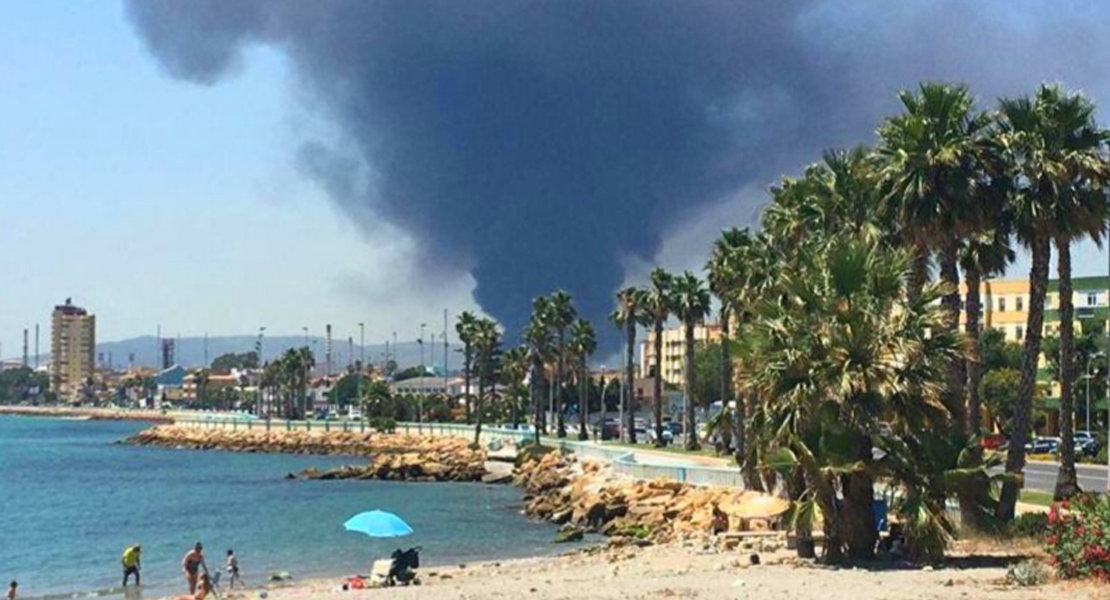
(132, 562)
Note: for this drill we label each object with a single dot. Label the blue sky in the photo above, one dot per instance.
(152, 200)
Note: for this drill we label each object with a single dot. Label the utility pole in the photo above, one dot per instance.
(36, 346)
(327, 351)
(26, 361)
(305, 330)
(446, 392)
(205, 350)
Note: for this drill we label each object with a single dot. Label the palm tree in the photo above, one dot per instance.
(561, 315)
(464, 327)
(487, 343)
(630, 313)
(1079, 211)
(539, 327)
(658, 306)
(933, 155)
(583, 343)
(537, 338)
(983, 256)
(691, 304)
(514, 372)
(1056, 162)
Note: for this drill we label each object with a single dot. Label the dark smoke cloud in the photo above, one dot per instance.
(538, 143)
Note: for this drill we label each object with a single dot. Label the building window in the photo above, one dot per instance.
(1020, 301)
(1092, 299)
(1002, 304)
(1019, 333)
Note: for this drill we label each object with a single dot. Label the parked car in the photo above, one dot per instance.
(1043, 445)
(1086, 444)
(994, 441)
(668, 437)
(608, 429)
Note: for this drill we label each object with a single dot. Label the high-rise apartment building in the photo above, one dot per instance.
(674, 351)
(73, 343)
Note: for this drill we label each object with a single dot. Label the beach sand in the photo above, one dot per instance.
(693, 573)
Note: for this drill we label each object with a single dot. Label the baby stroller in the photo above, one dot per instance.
(404, 567)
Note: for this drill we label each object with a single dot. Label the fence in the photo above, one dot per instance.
(625, 461)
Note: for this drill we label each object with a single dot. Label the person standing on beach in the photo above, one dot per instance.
(13, 588)
(192, 565)
(132, 563)
(232, 570)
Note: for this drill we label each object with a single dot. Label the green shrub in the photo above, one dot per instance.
(383, 424)
(1027, 573)
(1031, 525)
(1078, 541)
(532, 451)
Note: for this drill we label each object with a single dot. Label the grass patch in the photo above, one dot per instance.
(1036, 497)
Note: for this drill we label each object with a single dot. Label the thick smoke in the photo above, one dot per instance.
(537, 144)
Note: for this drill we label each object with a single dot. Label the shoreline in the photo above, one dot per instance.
(87, 413)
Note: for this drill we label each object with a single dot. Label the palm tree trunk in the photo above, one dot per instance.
(1015, 456)
(560, 423)
(736, 420)
(537, 402)
(1067, 484)
(657, 384)
(974, 367)
(466, 380)
(920, 270)
(479, 407)
(858, 512)
(957, 375)
(688, 374)
(583, 399)
(629, 381)
(971, 497)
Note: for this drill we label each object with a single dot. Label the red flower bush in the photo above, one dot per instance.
(1075, 537)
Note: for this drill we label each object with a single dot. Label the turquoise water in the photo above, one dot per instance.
(71, 500)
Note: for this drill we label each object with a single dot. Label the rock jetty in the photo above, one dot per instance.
(589, 496)
(392, 456)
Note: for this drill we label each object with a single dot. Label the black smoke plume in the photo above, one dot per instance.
(538, 143)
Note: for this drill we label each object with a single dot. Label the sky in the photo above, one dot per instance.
(217, 166)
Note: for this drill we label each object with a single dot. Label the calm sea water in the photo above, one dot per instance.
(71, 500)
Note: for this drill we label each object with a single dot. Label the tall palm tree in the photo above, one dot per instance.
(1080, 211)
(562, 314)
(630, 313)
(583, 343)
(691, 304)
(487, 345)
(933, 154)
(537, 338)
(1057, 161)
(658, 306)
(464, 327)
(514, 373)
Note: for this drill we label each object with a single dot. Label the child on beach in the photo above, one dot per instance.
(232, 570)
(132, 562)
(12, 588)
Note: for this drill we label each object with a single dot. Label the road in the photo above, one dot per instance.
(1041, 476)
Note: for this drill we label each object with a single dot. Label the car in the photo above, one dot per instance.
(1043, 445)
(608, 429)
(994, 441)
(1086, 444)
(668, 437)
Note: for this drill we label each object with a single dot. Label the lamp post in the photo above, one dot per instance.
(305, 330)
(1088, 377)
(361, 362)
(420, 397)
(261, 333)
(605, 388)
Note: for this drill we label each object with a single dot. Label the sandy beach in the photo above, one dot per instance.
(694, 573)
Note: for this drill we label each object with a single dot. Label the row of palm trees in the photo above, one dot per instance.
(839, 333)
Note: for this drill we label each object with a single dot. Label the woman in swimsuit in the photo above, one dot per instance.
(192, 565)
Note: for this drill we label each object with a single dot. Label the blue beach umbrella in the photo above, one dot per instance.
(378, 524)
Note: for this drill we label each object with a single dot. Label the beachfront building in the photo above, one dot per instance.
(72, 347)
(1005, 307)
(674, 350)
(433, 386)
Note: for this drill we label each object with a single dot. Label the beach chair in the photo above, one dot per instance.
(379, 572)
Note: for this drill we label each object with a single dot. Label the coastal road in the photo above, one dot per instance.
(1041, 476)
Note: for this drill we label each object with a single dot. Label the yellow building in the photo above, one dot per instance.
(73, 343)
(674, 350)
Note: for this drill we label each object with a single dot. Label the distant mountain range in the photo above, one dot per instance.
(191, 351)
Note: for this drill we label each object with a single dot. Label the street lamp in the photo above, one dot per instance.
(261, 333)
(1088, 377)
(305, 330)
(420, 398)
(361, 361)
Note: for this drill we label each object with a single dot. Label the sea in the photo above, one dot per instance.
(72, 499)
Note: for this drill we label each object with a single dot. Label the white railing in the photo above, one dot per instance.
(625, 460)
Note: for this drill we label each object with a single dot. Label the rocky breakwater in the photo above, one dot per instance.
(589, 496)
(392, 456)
